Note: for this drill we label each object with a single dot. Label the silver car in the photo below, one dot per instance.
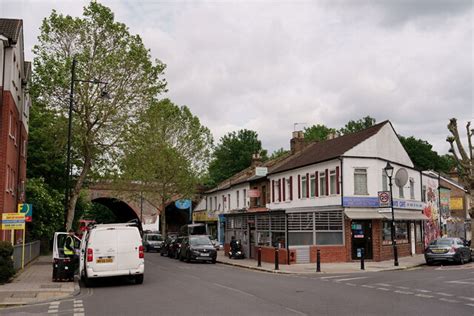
(448, 249)
(152, 242)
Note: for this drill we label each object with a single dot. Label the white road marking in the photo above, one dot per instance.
(368, 286)
(351, 284)
(423, 291)
(332, 277)
(444, 294)
(467, 281)
(466, 298)
(424, 295)
(52, 311)
(54, 303)
(79, 314)
(469, 305)
(403, 292)
(383, 289)
(295, 311)
(382, 284)
(402, 287)
(349, 279)
(448, 300)
(233, 289)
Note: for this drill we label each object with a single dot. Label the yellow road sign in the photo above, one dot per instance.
(13, 221)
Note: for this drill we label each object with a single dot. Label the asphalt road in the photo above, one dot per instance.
(172, 287)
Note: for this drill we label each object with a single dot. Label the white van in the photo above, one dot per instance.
(112, 250)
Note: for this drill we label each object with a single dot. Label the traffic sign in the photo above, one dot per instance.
(27, 209)
(183, 204)
(384, 198)
(13, 221)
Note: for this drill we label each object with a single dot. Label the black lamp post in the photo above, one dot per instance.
(103, 94)
(389, 172)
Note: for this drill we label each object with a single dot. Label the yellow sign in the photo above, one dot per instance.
(204, 216)
(13, 221)
(456, 203)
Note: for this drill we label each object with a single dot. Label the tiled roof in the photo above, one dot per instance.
(329, 149)
(10, 28)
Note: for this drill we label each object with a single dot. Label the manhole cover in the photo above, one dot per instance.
(50, 286)
(24, 295)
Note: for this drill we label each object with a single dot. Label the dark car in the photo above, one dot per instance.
(448, 249)
(199, 248)
(152, 241)
(173, 250)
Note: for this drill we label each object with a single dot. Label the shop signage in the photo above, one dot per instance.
(183, 204)
(205, 216)
(384, 198)
(261, 171)
(13, 221)
(26, 209)
(353, 201)
(456, 203)
(254, 193)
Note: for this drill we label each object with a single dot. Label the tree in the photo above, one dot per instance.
(420, 152)
(100, 213)
(464, 159)
(105, 51)
(234, 154)
(167, 151)
(278, 153)
(355, 126)
(318, 132)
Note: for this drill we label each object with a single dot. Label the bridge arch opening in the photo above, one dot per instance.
(121, 210)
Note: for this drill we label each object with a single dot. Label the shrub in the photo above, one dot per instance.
(6, 262)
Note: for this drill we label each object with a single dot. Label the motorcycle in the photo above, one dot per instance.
(236, 252)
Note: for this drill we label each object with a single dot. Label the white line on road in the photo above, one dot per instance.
(52, 311)
(444, 294)
(466, 298)
(295, 311)
(383, 284)
(54, 303)
(351, 284)
(233, 289)
(78, 314)
(448, 300)
(469, 305)
(403, 292)
(332, 277)
(402, 287)
(368, 286)
(383, 289)
(462, 282)
(349, 279)
(424, 295)
(423, 291)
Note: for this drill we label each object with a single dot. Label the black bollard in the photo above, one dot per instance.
(276, 259)
(362, 263)
(259, 257)
(318, 260)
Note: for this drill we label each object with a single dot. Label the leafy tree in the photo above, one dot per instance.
(167, 150)
(100, 213)
(318, 132)
(278, 153)
(104, 50)
(234, 153)
(355, 126)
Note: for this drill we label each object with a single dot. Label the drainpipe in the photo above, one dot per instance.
(5, 44)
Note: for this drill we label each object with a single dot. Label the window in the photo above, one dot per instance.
(386, 233)
(210, 204)
(224, 204)
(238, 198)
(412, 188)
(228, 201)
(7, 184)
(245, 198)
(332, 181)
(401, 233)
(303, 187)
(11, 126)
(322, 184)
(401, 192)
(289, 188)
(329, 228)
(215, 204)
(384, 181)
(418, 232)
(312, 185)
(423, 193)
(360, 181)
(276, 187)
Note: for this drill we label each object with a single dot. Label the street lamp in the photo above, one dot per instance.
(104, 95)
(389, 172)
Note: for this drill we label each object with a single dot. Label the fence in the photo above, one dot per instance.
(32, 251)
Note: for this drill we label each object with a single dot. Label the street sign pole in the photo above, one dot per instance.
(23, 250)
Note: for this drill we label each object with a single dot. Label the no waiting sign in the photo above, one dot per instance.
(384, 198)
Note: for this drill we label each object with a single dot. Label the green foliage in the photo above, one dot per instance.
(355, 126)
(6, 262)
(48, 209)
(278, 153)
(424, 157)
(106, 51)
(234, 153)
(100, 213)
(318, 132)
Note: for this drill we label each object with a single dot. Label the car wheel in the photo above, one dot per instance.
(139, 279)
(161, 253)
(213, 261)
(429, 262)
(181, 258)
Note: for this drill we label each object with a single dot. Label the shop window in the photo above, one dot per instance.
(312, 185)
(263, 238)
(360, 181)
(418, 232)
(300, 238)
(329, 228)
(278, 239)
(303, 186)
(300, 221)
(386, 233)
(332, 182)
(401, 233)
(329, 238)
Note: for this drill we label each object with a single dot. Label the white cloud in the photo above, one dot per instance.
(266, 65)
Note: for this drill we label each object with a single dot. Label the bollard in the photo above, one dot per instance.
(276, 258)
(318, 260)
(362, 263)
(259, 257)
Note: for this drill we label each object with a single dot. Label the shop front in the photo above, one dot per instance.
(210, 218)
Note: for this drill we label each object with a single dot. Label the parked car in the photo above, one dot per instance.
(173, 250)
(448, 249)
(199, 248)
(112, 250)
(152, 241)
(164, 251)
(215, 242)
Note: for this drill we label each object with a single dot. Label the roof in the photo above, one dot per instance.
(329, 149)
(10, 28)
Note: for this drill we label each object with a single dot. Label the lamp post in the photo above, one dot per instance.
(389, 172)
(103, 94)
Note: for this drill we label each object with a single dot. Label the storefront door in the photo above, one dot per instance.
(361, 232)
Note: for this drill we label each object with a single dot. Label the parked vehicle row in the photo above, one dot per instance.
(448, 249)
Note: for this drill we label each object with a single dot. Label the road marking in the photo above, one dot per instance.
(448, 300)
(424, 295)
(332, 277)
(469, 305)
(403, 292)
(368, 286)
(79, 314)
(423, 291)
(233, 289)
(383, 289)
(295, 311)
(54, 303)
(444, 294)
(349, 279)
(52, 311)
(462, 281)
(467, 298)
(402, 287)
(351, 284)
(382, 284)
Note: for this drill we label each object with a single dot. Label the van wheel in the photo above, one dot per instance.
(139, 279)
(87, 281)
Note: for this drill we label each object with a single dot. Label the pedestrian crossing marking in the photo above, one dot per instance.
(349, 279)
(466, 298)
(332, 277)
(424, 295)
(403, 292)
(448, 300)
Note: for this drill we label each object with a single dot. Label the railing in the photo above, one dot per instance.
(32, 251)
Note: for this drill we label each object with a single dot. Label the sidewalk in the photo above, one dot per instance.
(343, 267)
(34, 285)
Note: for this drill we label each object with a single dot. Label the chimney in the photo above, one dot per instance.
(256, 160)
(331, 135)
(297, 143)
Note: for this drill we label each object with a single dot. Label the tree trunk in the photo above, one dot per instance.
(75, 194)
(163, 217)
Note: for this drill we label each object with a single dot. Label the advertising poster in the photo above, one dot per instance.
(431, 211)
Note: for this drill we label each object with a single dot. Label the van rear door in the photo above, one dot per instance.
(103, 243)
(129, 241)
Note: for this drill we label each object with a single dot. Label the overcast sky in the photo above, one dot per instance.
(265, 65)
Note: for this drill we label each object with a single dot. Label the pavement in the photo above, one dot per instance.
(34, 285)
(343, 267)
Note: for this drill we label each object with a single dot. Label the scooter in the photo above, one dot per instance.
(236, 252)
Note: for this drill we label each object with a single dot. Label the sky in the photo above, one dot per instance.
(267, 65)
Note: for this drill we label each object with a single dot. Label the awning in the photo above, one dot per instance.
(406, 215)
(363, 213)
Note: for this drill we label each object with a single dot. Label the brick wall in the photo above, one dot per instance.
(328, 253)
(268, 254)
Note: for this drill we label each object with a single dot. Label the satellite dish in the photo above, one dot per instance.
(401, 177)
